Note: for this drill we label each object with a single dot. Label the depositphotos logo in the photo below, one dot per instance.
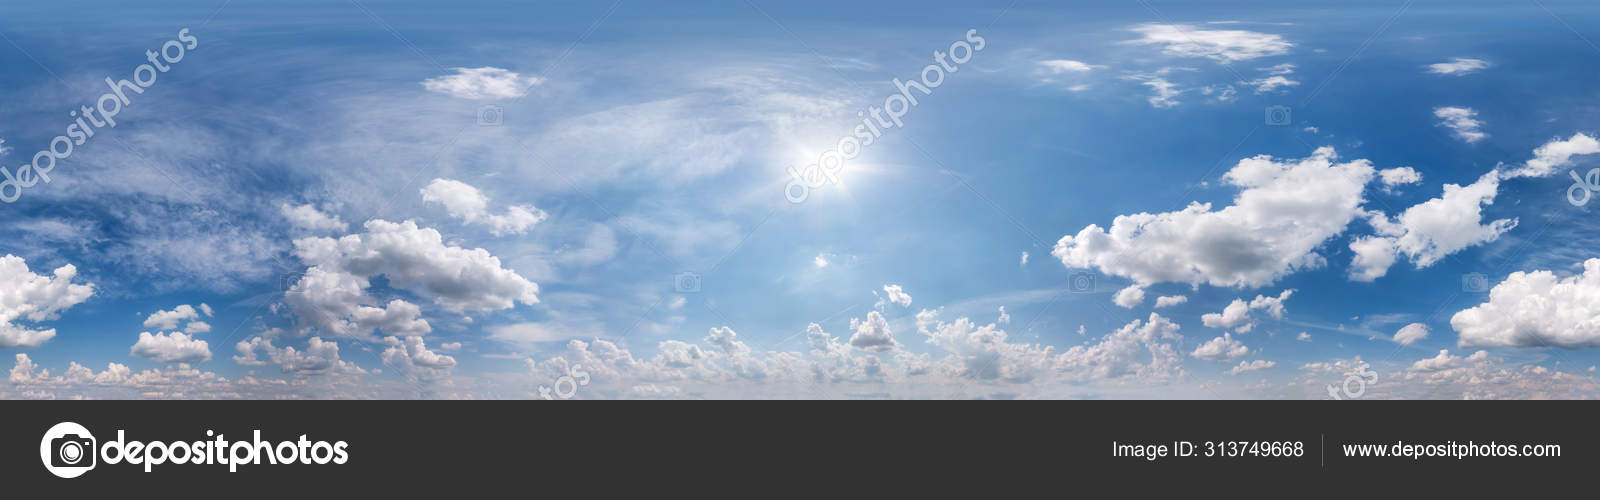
(68, 450)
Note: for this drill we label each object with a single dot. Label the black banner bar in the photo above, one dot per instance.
(610, 449)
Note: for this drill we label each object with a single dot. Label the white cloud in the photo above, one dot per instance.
(206, 309)
(872, 334)
(195, 327)
(411, 358)
(1392, 177)
(1223, 93)
(1140, 350)
(1303, 337)
(319, 357)
(1237, 314)
(1221, 45)
(1221, 348)
(1554, 155)
(1005, 319)
(416, 259)
(1170, 300)
(1164, 92)
(307, 217)
(1431, 230)
(334, 303)
(3, 149)
(172, 347)
(896, 295)
(1250, 366)
(1458, 66)
(1271, 83)
(168, 320)
(1058, 66)
(1280, 70)
(1445, 361)
(1024, 262)
(1411, 333)
(820, 261)
(482, 83)
(35, 298)
(982, 351)
(1129, 297)
(471, 206)
(1286, 210)
(1535, 309)
(1463, 121)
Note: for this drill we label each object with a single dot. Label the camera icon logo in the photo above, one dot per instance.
(1474, 283)
(68, 450)
(1081, 282)
(491, 115)
(686, 282)
(1279, 115)
(288, 281)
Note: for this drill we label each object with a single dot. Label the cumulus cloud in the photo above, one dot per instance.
(35, 298)
(1446, 361)
(1392, 177)
(168, 320)
(1458, 66)
(1462, 121)
(1237, 314)
(1303, 337)
(1411, 333)
(482, 83)
(1554, 155)
(1141, 350)
(1170, 300)
(318, 358)
(1024, 261)
(1431, 230)
(872, 334)
(1221, 348)
(1221, 45)
(308, 218)
(1129, 297)
(1250, 366)
(172, 347)
(1536, 309)
(894, 294)
(471, 206)
(968, 356)
(335, 303)
(416, 259)
(411, 358)
(1285, 211)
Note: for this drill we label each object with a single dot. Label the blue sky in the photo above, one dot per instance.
(397, 199)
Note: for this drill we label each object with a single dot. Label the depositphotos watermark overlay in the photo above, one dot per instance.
(875, 121)
(1355, 384)
(574, 379)
(109, 105)
(69, 450)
